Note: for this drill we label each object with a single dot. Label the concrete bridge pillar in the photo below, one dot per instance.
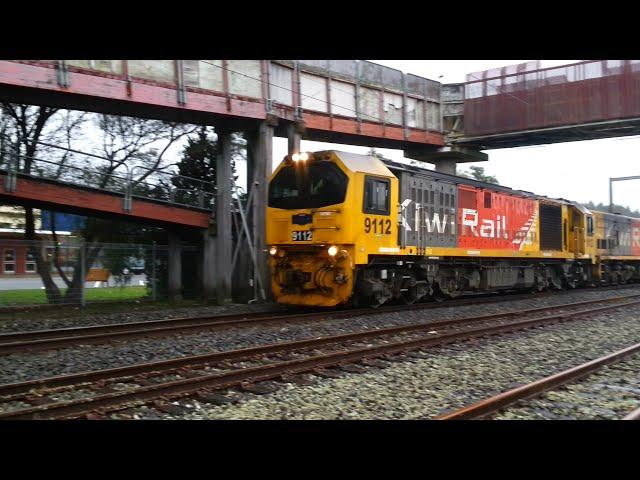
(445, 165)
(445, 159)
(174, 283)
(224, 241)
(294, 137)
(260, 161)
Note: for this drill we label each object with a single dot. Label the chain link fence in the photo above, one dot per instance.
(73, 272)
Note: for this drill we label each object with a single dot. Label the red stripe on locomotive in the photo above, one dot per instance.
(488, 219)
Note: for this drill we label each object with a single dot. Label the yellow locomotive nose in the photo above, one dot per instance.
(312, 275)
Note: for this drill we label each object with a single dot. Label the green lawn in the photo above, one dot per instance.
(35, 297)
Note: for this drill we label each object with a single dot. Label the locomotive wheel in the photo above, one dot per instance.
(413, 291)
(446, 294)
(409, 297)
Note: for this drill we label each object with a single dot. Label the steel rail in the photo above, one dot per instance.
(38, 340)
(498, 402)
(127, 371)
(122, 399)
(55, 338)
(634, 415)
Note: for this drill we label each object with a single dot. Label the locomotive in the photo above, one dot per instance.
(348, 228)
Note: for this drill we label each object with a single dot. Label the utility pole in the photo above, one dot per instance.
(617, 179)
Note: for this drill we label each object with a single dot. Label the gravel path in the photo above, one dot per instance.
(442, 380)
(25, 366)
(609, 394)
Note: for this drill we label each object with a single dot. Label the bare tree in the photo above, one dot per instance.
(37, 133)
(137, 142)
(24, 129)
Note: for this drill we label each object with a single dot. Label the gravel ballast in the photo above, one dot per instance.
(608, 394)
(26, 366)
(444, 380)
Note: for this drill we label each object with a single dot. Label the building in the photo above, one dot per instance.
(17, 259)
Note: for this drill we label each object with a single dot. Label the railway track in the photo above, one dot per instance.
(634, 415)
(493, 405)
(119, 388)
(38, 340)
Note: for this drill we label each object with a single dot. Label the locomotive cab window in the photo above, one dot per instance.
(589, 225)
(316, 185)
(376, 195)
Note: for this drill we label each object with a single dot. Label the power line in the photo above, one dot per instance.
(287, 89)
(300, 93)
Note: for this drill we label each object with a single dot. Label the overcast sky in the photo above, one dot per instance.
(574, 170)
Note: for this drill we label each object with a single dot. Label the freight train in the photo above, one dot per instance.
(347, 228)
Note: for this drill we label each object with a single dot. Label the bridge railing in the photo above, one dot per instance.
(584, 92)
(96, 173)
(347, 90)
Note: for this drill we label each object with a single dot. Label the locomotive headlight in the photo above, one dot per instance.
(333, 250)
(273, 251)
(304, 156)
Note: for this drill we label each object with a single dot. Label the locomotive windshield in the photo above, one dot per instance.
(313, 185)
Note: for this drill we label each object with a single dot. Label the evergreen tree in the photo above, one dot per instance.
(601, 207)
(199, 157)
(477, 173)
(199, 162)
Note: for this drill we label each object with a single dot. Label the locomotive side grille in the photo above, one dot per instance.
(550, 227)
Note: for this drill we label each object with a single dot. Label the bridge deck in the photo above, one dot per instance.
(42, 193)
(339, 100)
(582, 101)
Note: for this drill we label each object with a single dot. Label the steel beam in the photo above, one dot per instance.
(175, 266)
(224, 247)
(617, 179)
(260, 158)
(208, 266)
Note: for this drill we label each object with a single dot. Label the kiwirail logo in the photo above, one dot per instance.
(421, 218)
(489, 228)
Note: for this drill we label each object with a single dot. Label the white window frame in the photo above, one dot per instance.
(29, 263)
(8, 262)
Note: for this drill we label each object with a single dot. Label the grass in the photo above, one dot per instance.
(38, 296)
(32, 304)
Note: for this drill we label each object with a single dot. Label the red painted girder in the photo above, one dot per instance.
(378, 130)
(114, 87)
(69, 196)
(44, 77)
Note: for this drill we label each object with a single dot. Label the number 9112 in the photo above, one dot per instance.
(380, 225)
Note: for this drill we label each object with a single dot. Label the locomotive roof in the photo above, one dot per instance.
(363, 163)
(615, 214)
(477, 183)
(455, 178)
(368, 164)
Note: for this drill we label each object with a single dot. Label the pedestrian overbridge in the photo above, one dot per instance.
(524, 104)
